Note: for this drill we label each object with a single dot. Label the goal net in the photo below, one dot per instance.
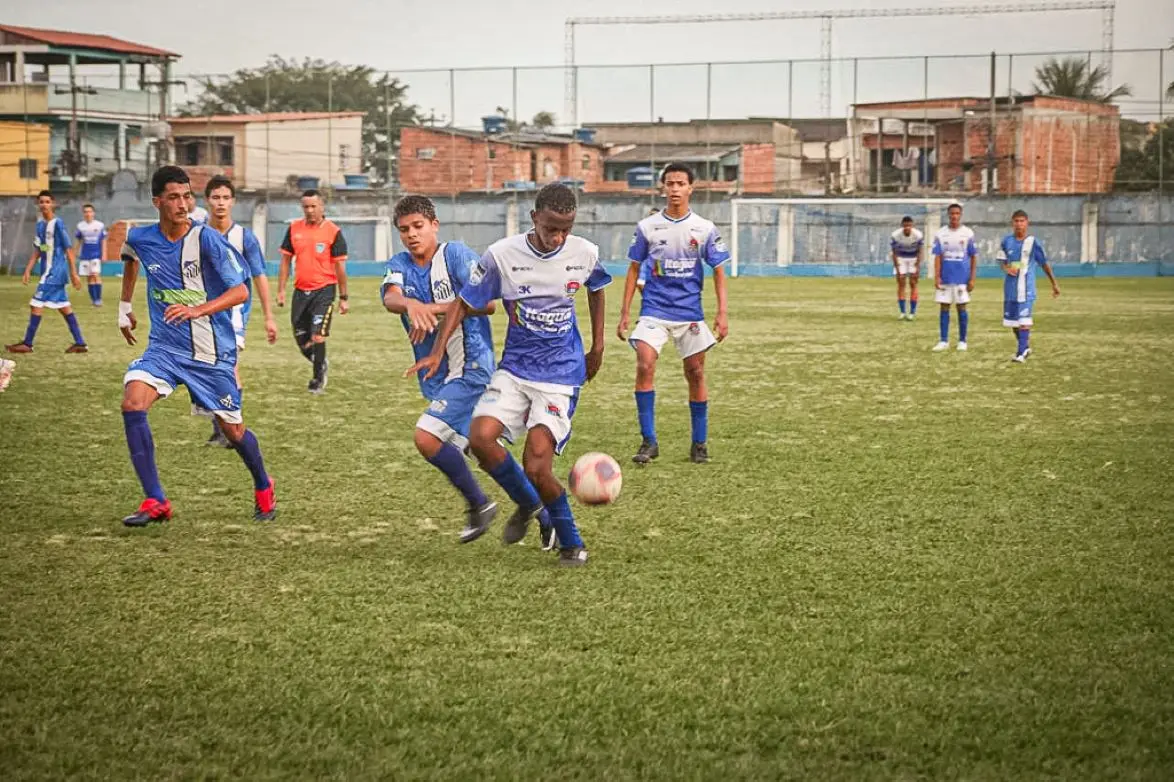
(823, 236)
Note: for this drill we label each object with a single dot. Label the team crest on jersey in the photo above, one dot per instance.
(191, 269)
(573, 287)
(694, 329)
(442, 290)
(320, 247)
(554, 410)
(693, 243)
(720, 245)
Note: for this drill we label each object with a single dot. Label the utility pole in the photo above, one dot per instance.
(164, 84)
(991, 166)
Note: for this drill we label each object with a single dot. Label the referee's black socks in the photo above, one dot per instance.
(318, 356)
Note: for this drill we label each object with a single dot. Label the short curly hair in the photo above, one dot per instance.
(415, 205)
(557, 198)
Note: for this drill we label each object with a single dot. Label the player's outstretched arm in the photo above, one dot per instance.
(721, 323)
(597, 306)
(630, 282)
(454, 313)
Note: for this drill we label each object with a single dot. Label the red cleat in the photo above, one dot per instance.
(19, 347)
(265, 504)
(151, 511)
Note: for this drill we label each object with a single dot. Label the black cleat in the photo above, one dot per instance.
(516, 528)
(315, 386)
(647, 451)
(699, 453)
(574, 556)
(549, 538)
(478, 522)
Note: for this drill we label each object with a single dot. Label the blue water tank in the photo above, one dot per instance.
(308, 183)
(494, 124)
(585, 135)
(641, 177)
(357, 181)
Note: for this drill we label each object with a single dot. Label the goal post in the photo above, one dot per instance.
(822, 236)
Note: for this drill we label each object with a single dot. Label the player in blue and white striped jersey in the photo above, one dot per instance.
(906, 245)
(1019, 255)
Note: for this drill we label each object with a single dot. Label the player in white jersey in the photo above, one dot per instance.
(220, 194)
(91, 234)
(955, 263)
(669, 253)
(906, 245)
(536, 386)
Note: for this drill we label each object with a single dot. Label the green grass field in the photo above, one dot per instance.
(900, 565)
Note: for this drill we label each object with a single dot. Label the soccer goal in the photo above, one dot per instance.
(823, 236)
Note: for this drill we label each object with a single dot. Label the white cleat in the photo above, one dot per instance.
(1020, 358)
(938, 348)
(961, 346)
(902, 316)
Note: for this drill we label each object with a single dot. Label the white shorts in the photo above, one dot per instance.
(86, 268)
(521, 405)
(907, 266)
(690, 337)
(952, 294)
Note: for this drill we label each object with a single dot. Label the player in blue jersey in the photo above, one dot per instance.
(905, 245)
(193, 281)
(1019, 254)
(91, 232)
(674, 246)
(536, 386)
(52, 249)
(955, 260)
(220, 194)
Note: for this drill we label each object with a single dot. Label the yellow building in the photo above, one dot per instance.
(24, 158)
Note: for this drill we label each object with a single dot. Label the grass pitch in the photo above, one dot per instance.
(899, 565)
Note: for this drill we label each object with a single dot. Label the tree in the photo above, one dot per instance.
(1072, 77)
(1139, 166)
(315, 85)
(543, 120)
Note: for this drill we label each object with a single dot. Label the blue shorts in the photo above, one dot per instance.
(1017, 314)
(50, 295)
(451, 410)
(212, 387)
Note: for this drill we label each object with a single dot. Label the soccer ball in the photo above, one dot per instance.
(596, 479)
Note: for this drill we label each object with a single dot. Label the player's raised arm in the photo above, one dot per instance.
(637, 253)
(287, 254)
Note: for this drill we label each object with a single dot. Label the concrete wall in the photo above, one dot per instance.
(274, 151)
(1128, 228)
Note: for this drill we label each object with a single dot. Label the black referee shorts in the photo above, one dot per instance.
(311, 313)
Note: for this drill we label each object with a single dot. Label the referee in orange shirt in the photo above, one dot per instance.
(319, 273)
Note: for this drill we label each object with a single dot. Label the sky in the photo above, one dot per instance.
(402, 38)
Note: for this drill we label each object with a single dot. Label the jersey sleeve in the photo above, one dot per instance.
(129, 252)
(937, 246)
(103, 233)
(460, 268)
(220, 255)
(338, 247)
(78, 233)
(63, 239)
(1037, 253)
(484, 283)
(716, 252)
(287, 242)
(254, 258)
(1001, 257)
(599, 279)
(971, 248)
(393, 274)
(645, 273)
(638, 250)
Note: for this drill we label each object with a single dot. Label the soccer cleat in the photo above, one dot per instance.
(938, 348)
(549, 538)
(901, 316)
(699, 453)
(264, 504)
(19, 347)
(98, 303)
(77, 347)
(911, 316)
(962, 347)
(478, 522)
(1027, 353)
(647, 451)
(574, 556)
(315, 386)
(150, 512)
(1020, 358)
(519, 523)
(7, 367)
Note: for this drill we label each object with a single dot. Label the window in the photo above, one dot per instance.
(344, 156)
(425, 153)
(586, 162)
(224, 152)
(28, 168)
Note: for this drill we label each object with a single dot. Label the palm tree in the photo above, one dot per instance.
(1073, 77)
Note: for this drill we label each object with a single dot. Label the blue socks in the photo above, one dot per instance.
(963, 322)
(1024, 336)
(564, 523)
(699, 417)
(31, 332)
(510, 476)
(450, 461)
(901, 305)
(944, 325)
(142, 452)
(75, 329)
(913, 306)
(646, 412)
(250, 453)
(95, 292)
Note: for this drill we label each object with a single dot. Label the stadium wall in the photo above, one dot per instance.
(1134, 234)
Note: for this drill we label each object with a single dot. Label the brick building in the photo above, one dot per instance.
(446, 161)
(1043, 144)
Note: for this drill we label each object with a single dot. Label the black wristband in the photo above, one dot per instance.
(343, 297)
